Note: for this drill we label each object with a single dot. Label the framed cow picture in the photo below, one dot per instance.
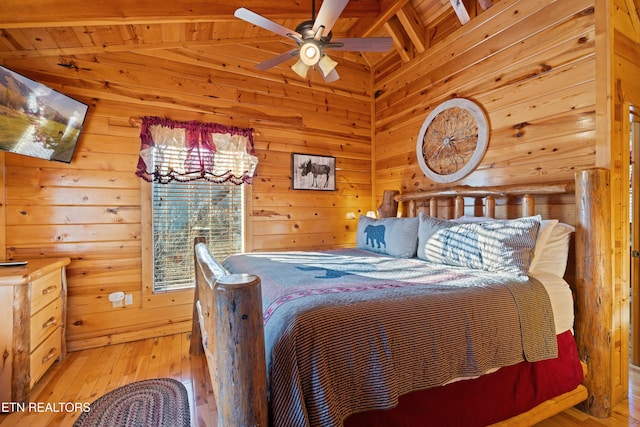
(311, 172)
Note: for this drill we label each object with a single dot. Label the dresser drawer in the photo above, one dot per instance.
(44, 356)
(45, 321)
(33, 313)
(44, 290)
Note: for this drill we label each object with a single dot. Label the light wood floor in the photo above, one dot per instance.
(86, 375)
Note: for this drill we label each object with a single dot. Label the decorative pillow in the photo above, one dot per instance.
(555, 253)
(501, 246)
(397, 237)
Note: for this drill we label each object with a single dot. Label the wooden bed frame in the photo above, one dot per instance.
(227, 314)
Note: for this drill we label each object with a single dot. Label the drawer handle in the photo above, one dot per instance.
(52, 353)
(49, 290)
(49, 322)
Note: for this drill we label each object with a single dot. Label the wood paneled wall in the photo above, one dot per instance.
(89, 210)
(529, 65)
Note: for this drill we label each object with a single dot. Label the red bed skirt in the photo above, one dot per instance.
(494, 397)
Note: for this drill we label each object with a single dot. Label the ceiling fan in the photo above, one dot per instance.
(313, 39)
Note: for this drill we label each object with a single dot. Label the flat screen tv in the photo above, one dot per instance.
(36, 120)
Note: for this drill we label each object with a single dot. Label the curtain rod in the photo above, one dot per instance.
(136, 122)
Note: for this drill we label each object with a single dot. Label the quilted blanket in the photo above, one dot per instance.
(348, 330)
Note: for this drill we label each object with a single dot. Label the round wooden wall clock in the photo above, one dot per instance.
(452, 140)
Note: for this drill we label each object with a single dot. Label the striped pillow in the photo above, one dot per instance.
(500, 246)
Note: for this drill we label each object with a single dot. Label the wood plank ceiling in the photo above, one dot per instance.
(66, 28)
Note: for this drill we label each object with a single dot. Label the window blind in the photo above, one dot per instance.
(184, 210)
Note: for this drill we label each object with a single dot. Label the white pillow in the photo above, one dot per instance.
(555, 253)
(546, 227)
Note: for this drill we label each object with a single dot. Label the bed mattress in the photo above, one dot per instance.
(561, 300)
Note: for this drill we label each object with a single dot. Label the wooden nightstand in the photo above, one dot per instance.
(33, 312)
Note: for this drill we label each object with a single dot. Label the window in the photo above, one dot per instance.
(182, 211)
(195, 177)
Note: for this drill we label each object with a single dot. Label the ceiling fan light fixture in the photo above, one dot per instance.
(300, 68)
(310, 53)
(326, 65)
(313, 37)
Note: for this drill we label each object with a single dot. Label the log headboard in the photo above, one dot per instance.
(454, 202)
(431, 200)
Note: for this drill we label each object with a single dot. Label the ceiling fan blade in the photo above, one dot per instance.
(328, 15)
(332, 76)
(276, 60)
(366, 44)
(261, 21)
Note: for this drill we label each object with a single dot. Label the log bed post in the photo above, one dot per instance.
(389, 206)
(593, 320)
(229, 308)
(240, 352)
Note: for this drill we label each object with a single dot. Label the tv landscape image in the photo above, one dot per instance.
(36, 120)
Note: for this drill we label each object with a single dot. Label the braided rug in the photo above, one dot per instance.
(148, 403)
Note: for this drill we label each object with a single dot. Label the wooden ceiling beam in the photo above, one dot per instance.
(60, 13)
(412, 25)
(633, 16)
(400, 40)
(72, 51)
(366, 26)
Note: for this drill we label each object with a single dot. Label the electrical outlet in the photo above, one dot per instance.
(128, 299)
(116, 298)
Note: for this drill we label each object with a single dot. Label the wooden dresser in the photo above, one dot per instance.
(32, 324)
